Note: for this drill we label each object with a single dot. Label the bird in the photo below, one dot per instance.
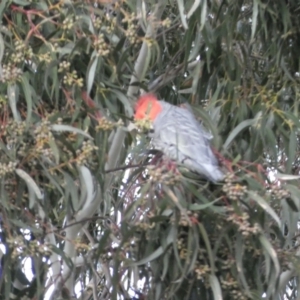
(179, 136)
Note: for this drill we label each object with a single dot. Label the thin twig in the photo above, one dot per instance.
(169, 75)
(126, 167)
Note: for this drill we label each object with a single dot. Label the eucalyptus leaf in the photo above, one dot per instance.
(12, 96)
(237, 130)
(30, 183)
(68, 128)
(268, 209)
(91, 73)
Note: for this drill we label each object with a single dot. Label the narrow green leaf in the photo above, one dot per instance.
(21, 2)
(203, 14)
(33, 189)
(52, 180)
(125, 101)
(292, 151)
(182, 14)
(87, 183)
(196, 77)
(193, 8)
(254, 18)
(91, 71)
(159, 251)
(270, 250)
(71, 191)
(197, 206)
(30, 183)
(268, 209)
(270, 140)
(215, 287)
(82, 45)
(28, 96)
(7, 263)
(61, 253)
(286, 70)
(50, 77)
(193, 248)
(295, 197)
(54, 149)
(237, 130)
(1, 43)
(3, 6)
(12, 92)
(208, 247)
(145, 65)
(68, 128)
(239, 255)
(166, 265)
(198, 41)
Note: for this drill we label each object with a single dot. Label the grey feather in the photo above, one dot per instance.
(181, 137)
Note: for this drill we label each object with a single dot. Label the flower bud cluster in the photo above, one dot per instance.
(232, 285)
(7, 168)
(131, 32)
(43, 135)
(279, 193)
(71, 79)
(36, 248)
(166, 23)
(243, 224)
(12, 130)
(144, 226)
(82, 248)
(105, 124)
(106, 23)
(84, 155)
(64, 66)
(187, 218)
(144, 124)
(228, 263)
(97, 22)
(10, 73)
(229, 283)
(68, 23)
(31, 248)
(234, 191)
(43, 131)
(21, 52)
(101, 46)
(202, 271)
(162, 175)
(44, 57)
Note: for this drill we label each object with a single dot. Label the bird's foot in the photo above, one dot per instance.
(169, 165)
(165, 163)
(173, 168)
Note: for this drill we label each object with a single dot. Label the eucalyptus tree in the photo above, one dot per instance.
(87, 209)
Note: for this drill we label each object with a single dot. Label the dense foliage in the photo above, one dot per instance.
(86, 211)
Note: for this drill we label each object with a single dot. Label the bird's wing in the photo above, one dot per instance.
(202, 129)
(179, 128)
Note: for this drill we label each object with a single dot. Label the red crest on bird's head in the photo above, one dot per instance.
(147, 106)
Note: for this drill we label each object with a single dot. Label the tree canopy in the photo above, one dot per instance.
(85, 210)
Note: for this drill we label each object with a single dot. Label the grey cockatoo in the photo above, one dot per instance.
(179, 136)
